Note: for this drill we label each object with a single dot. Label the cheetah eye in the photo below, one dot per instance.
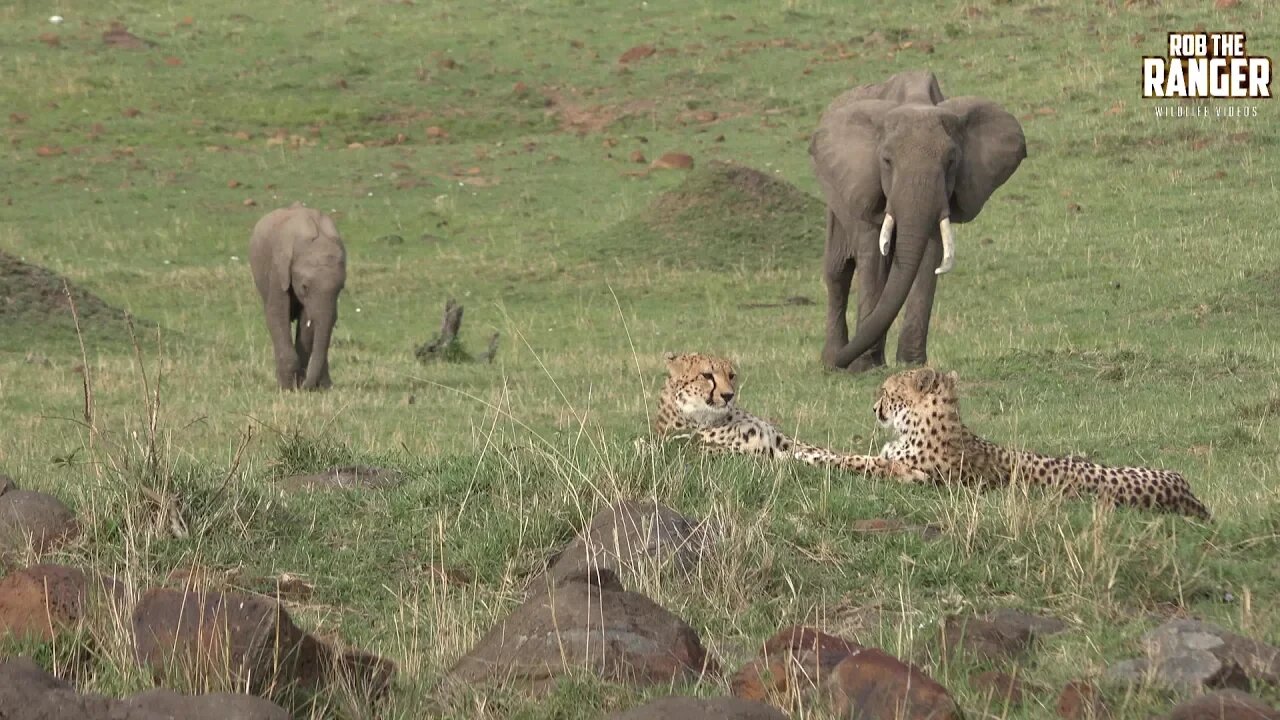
(733, 375)
(708, 376)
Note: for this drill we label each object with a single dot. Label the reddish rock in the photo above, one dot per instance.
(874, 684)
(673, 161)
(859, 682)
(1224, 705)
(119, 37)
(792, 662)
(39, 601)
(243, 639)
(41, 518)
(586, 622)
(638, 52)
(1080, 700)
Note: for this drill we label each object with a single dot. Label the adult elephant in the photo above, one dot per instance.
(898, 165)
(299, 267)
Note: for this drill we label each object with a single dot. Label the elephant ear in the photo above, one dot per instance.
(845, 150)
(992, 147)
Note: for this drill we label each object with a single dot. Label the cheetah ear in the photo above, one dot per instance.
(950, 379)
(926, 380)
(675, 361)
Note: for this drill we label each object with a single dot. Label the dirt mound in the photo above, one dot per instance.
(722, 216)
(34, 296)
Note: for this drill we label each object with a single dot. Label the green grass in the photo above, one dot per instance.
(1117, 298)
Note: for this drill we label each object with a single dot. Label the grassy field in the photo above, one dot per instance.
(1117, 298)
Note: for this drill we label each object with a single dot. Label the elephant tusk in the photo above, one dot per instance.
(948, 247)
(886, 233)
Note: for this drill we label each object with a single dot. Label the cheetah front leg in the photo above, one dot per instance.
(898, 470)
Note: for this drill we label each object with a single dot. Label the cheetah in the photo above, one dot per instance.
(922, 406)
(698, 402)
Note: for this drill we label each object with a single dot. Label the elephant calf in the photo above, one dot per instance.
(299, 266)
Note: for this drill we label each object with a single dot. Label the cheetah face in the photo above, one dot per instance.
(703, 385)
(906, 400)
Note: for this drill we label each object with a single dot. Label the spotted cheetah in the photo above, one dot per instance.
(698, 402)
(922, 406)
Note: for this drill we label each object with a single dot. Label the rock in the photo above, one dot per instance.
(977, 639)
(1197, 669)
(1080, 700)
(247, 640)
(857, 681)
(791, 662)
(1224, 705)
(346, 477)
(1192, 654)
(629, 536)
(27, 692)
(27, 514)
(1000, 687)
(639, 52)
(586, 622)
(39, 601)
(687, 708)
(1015, 622)
(879, 525)
(1257, 660)
(873, 684)
(673, 161)
(165, 703)
(6, 482)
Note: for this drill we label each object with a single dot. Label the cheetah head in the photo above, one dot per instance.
(906, 399)
(700, 386)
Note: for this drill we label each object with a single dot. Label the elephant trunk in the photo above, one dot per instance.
(322, 323)
(901, 274)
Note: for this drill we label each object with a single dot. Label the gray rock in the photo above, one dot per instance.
(243, 639)
(1258, 661)
(688, 708)
(30, 515)
(588, 623)
(1224, 705)
(1017, 621)
(27, 692)
(629, 535)
(346, 477)
(1193, 654)
(165, 703)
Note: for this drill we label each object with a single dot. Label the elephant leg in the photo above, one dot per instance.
(873, 270)
(838, 275)
(277, 308)
(914, 335)
(303, 342)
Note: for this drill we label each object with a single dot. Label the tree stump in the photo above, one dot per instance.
(446, 346)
